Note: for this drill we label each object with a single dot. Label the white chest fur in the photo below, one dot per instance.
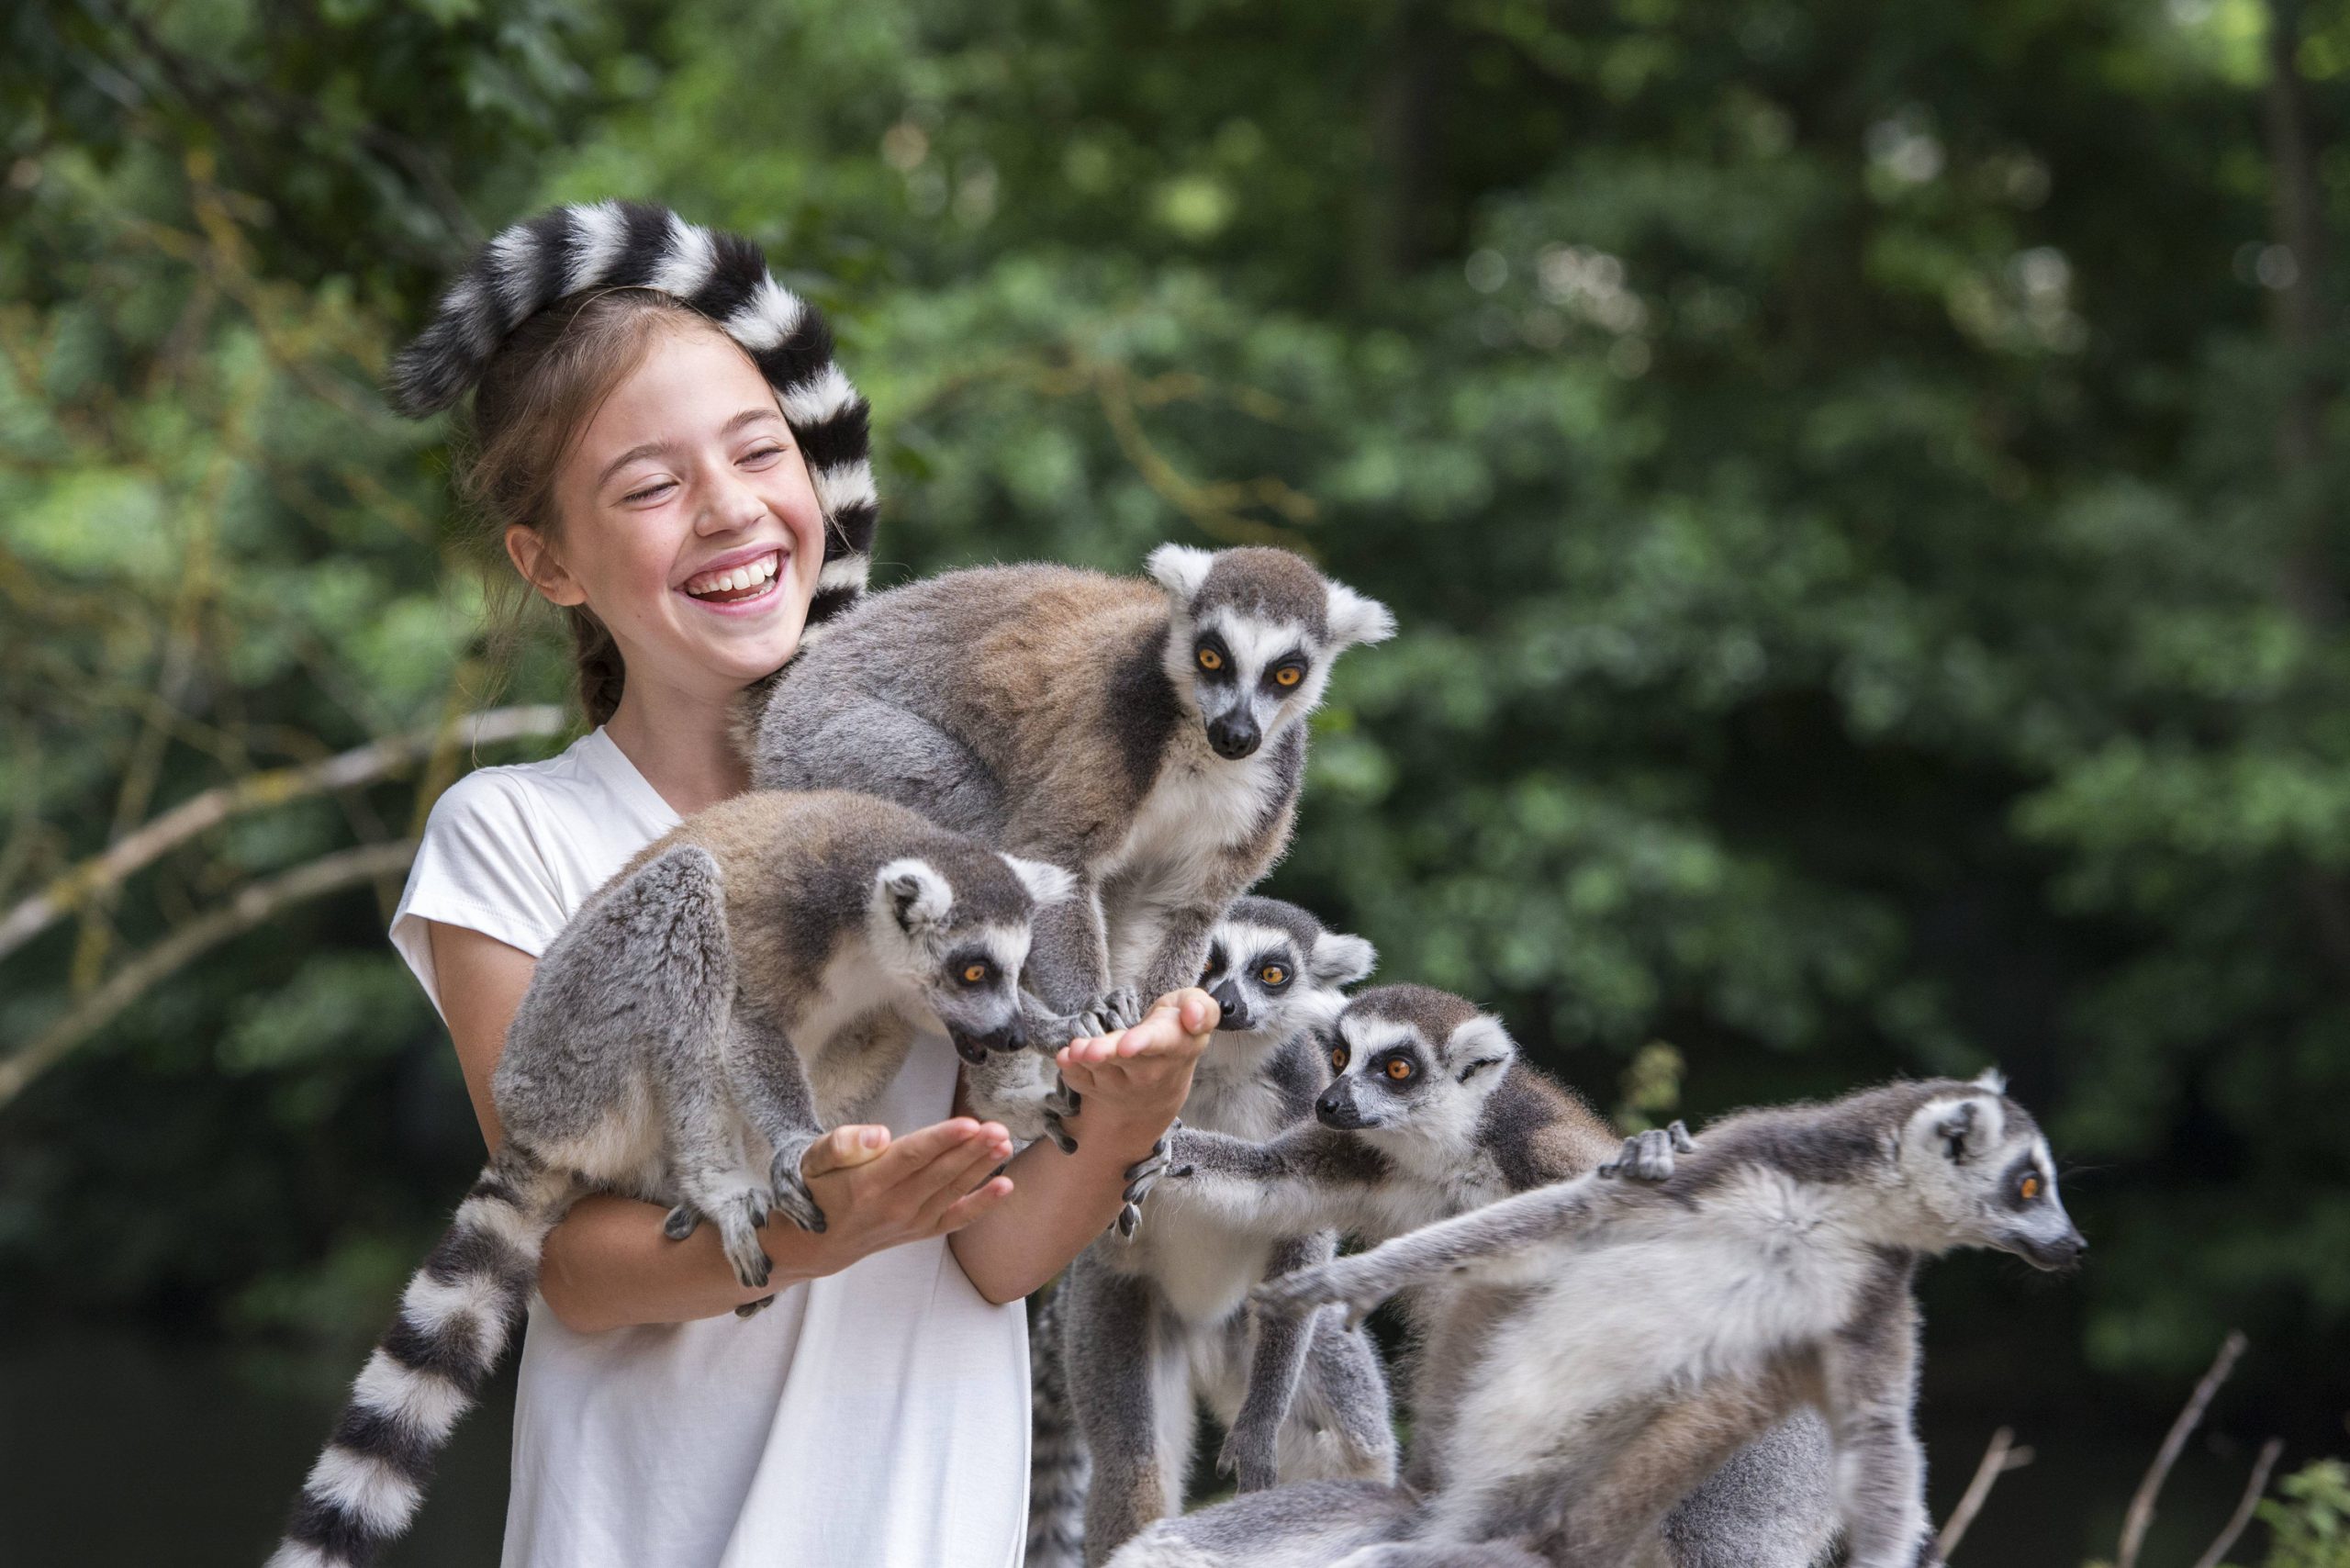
(1200, 808)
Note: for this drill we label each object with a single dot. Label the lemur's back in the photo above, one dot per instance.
(1030, 705)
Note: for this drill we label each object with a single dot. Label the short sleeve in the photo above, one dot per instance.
(480, 866)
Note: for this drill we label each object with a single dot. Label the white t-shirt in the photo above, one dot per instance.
(874, 1417)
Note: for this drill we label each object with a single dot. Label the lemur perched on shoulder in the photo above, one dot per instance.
(1149, 735)
(1142, 1330)
(1432, 1114)
(1661, 1326)
(753, 977)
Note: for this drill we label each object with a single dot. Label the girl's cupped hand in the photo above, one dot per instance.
(878, 1192)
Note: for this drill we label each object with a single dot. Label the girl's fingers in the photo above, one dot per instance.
(908, 1155)
(843, 1148)
(955, 1182)
(970, 1206)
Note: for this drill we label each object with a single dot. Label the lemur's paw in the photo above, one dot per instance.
(1128, 1221)
(738, 1217)
(1249, 1457)
(1122, 1008)
(1145, 1173)
(681, 1222)
(1296, 1294)
(752, 1309)
(1648, 1156)
(1063, 1139)
(1061, 1100)
(790, 1194)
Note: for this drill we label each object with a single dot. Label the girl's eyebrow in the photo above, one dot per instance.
(655, 448)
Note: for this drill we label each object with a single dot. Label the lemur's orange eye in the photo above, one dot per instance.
(1399, 1069)
(1289, 675)
(1273, 974)
(1338, 1058)
(1210, 659)
(974, 973)
(2031, 1188)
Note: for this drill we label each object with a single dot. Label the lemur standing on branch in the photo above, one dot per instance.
(1661, 1326)
(1142, 1330)
(752, 977)
(1431, 1113)
(1150, 737)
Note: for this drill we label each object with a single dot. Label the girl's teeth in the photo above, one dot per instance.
(736, 578)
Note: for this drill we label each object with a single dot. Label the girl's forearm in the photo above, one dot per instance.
(1059, 1203)
(608, 1265)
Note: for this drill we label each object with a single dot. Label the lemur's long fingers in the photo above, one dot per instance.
(1681, 1142)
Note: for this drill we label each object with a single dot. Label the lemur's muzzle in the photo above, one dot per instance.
(1335, 1108)
(974, 1048)
(2052, 1253)
(1233, 735)
(1231, 1008)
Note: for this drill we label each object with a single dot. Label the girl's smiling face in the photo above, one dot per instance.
(687, 522)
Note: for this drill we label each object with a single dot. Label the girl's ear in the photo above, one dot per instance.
(531, 555)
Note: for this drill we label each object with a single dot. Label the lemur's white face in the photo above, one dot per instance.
(1985, 1175)
(686, 521)
(1267, 983)
(1389, 1077)
(1246, 677)
(966, 969)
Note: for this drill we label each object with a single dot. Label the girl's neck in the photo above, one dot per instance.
(679, 741)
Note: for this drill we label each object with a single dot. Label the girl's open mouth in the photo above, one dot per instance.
(738, 586)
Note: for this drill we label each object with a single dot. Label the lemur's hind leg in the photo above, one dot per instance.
(1771, 1504)
(1342, 1411)
(710, 1164)
(1316, 1406)
(1133, 1398)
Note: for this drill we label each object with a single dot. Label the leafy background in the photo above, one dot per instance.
(1861, 486)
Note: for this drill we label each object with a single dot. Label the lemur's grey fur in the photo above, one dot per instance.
(1150, 737)
(753, 977)
(1432, 1114)
(617, 244)
(1150, 1327)
(1657, 1328)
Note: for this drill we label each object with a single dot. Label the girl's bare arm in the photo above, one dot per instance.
(608, 1265)
(1133, 1083)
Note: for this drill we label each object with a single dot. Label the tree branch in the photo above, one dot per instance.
(140, 848)
(2253, 1488)
(1999, 1457)
(2141, 1505)
(252, 904)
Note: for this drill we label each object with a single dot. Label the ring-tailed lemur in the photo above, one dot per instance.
(1148, 1329)
(620, 244)
(1150, 737)
(1431, 1113)
(1662, 1327)
(751, 977)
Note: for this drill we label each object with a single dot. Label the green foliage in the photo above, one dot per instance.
(2310, 1518)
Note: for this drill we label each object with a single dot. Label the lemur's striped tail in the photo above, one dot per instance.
(528, 266)
(455, 1320)
(1059, 1467)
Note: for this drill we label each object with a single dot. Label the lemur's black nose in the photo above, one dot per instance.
(1233, 1009)
(1233, 737)
(1335, 1108)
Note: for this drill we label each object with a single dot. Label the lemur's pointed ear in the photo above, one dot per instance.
(1045, 883)
(916, 896)
(1341, 959)
(1180, 569)
(1992, 1080)
(1955, 1127)
(1355, 619)
(1476, 1044)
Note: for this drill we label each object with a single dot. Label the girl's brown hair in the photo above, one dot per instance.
(537, 394)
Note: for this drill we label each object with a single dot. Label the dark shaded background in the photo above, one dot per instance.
(1861, 486)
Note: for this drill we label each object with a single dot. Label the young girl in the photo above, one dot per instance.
(641, 473)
